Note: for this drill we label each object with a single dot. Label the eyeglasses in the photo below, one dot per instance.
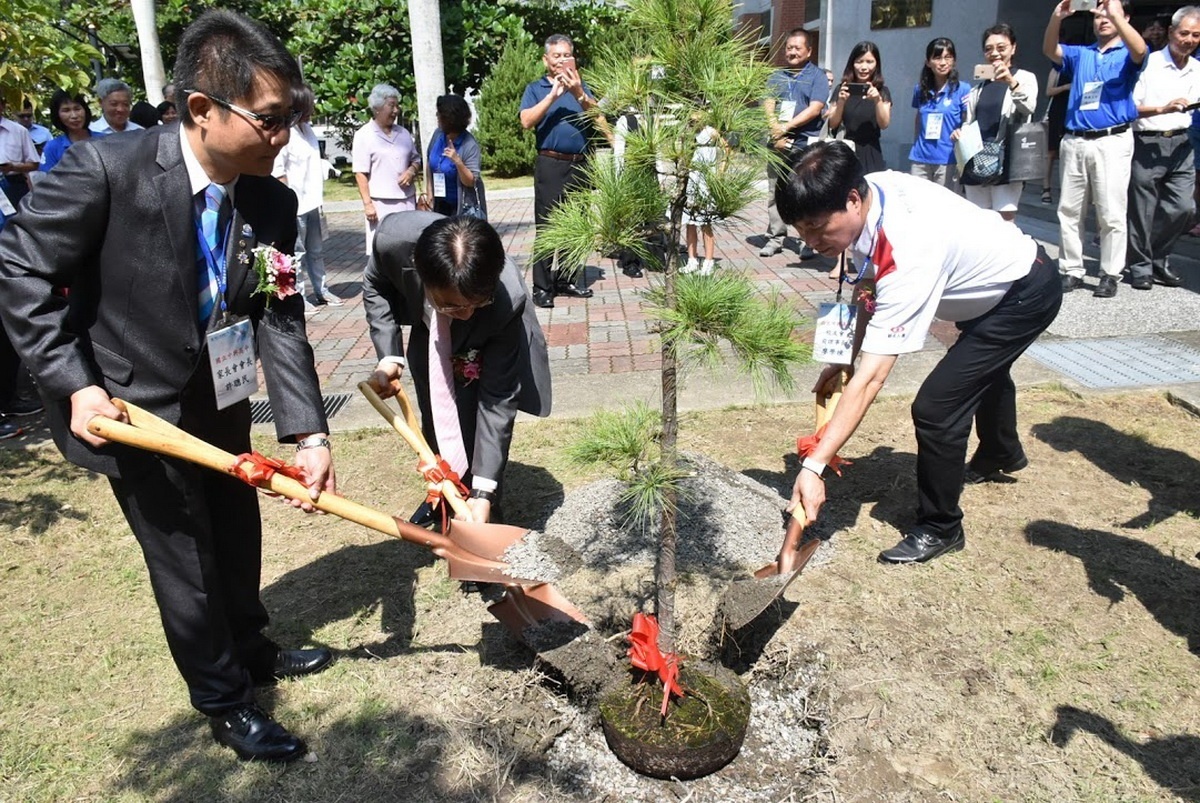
(24, 115)
(456, 308)
(270, 123)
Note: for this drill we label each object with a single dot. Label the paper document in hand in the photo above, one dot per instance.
(969, 143)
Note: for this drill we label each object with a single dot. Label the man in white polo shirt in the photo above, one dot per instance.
(926, 252)
(1163, 176)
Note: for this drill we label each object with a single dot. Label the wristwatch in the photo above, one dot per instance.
(479, 493)
(313, 442)
(815, 466)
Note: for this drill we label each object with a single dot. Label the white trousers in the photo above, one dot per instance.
(1097, 169)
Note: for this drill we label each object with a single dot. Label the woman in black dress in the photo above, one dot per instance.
(862, 105)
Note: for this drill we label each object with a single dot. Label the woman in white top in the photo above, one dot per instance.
(999, 106)
(385, 160)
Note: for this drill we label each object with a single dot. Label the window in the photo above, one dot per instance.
(901, 14)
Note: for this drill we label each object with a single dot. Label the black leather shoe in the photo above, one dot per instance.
(1070, 282)
(1107, 287)
(989, 472)
(543, 299)
(632, 269)
(806, 252)
(297, 663)
(571, 289)
(1141, 282)
(254, 736)
(1167, 277)
(920, 547)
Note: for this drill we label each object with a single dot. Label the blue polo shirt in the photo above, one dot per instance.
(802, 86)
(564, 128)
(1115, 73)
(948, 102)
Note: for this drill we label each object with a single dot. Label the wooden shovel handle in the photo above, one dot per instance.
(155, 435)
(412, 434)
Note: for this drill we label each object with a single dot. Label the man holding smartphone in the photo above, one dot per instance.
(1164, 178)
(554, 106)
(1098, 144)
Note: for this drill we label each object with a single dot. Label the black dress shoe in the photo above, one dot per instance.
(1107, 287)
(543, 299)
(1070, 282)
(571, 289)
(297, 663)
(254, 736)
(981, 471)
(920, 547)
(1167, 277)
(632, 269)
(1142, 282)
(806, 252)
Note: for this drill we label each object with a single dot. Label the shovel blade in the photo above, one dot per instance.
(535, 606)
(745, 600)
(487, 540)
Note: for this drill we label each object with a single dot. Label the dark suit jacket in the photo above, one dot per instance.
(115, 223)
(514, 364)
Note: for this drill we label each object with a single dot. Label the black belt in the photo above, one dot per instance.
(564, 157)
(1177, 132)
(1096, 133)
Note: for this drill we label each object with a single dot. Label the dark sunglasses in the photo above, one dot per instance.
(270, 123)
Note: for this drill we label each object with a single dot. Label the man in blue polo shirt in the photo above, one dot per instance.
(796, 99)
(1097, 147)
(554, 106)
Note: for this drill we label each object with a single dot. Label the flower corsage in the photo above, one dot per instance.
(276, 273)
(466, 366)
(866, 296)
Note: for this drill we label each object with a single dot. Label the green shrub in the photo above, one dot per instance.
(508, 149)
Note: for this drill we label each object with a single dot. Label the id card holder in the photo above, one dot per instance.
(6, 206)
(833, 340)
(933, 125)
(231, 358)
(439, 185)
(787, 110)
(1091, 96)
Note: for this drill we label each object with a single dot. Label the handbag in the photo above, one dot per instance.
(471, 207)
(986, 167)
(1027, 152)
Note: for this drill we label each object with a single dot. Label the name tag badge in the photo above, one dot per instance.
(933, 125)
(6, 206)
(231, 357)
(787, 110)
(439, 185)
(833, 340)
(1091, 96)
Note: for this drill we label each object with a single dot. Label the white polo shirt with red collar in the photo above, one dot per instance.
(932, 253)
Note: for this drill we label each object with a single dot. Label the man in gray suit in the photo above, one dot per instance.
(426, 266)
(152, 273)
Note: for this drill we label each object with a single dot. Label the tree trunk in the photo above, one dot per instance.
(152, 63)
(424, 18)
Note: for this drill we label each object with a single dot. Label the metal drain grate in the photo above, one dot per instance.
(1127, 362)
(260, 411)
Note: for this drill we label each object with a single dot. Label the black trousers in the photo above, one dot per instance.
(552, 178)
(973, 382)
(1162, 179)
(201, 537)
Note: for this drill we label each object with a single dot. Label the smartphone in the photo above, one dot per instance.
(1083, 5)
(858, 89)
(569, 62)
(984, 72)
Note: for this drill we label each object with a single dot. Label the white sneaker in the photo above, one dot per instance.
(706, 267)
(691, 267)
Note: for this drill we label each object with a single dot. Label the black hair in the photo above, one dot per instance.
(857, 52)
(144, 114)
(221, 53)
(462, 253)
(163, 107)
(928, 84)
(61, 97)
(304, 100)
(820, 183)
(999, 29)
(455, 113)
(794, 32)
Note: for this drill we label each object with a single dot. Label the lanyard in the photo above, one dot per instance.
(215, 262)
(859, 273)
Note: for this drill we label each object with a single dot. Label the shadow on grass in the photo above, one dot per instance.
(1172, 761)
(36, 511)
(1169, 475)
(1167, 587)
(375, 753)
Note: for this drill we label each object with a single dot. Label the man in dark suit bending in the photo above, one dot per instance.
(152, 236)
(431, 272)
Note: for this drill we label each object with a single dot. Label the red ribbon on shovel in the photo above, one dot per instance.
(807, 444)
(645, 655)
(435, 474)
(263, 469)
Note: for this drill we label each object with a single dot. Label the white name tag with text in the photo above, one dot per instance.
(787, 110)
(1091, 96)
(232, 360)
(439, 185)
(6, 206)
(933, 126)
(833, 340)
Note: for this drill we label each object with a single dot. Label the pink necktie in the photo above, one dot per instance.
(441, 395)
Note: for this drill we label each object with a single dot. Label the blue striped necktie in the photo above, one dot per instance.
(214, 219)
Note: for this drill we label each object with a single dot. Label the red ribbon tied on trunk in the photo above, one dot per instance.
(263, 468)
(807, 444)
(645, 655)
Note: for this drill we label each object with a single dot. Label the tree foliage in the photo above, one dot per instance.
(36, 56)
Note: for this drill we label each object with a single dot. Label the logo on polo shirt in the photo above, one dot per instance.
(895, 332)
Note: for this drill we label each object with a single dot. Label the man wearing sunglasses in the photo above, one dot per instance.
(153, 234)
(476, 352)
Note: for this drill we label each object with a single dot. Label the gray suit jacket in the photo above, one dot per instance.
(114, 224)
(514, 364)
